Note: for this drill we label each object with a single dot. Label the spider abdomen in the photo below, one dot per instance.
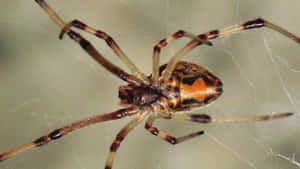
(192, 86)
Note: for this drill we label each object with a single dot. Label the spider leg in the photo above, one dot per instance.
(204, 118)
(257, 23)
(52, 14)
(164, 42)
(170, 139)
(121, 135)
(58, 133)
(87, 46)
(110, 42)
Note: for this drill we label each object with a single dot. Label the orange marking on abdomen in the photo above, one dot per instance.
(197, 91)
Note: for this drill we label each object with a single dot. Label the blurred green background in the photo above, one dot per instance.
(46, 83)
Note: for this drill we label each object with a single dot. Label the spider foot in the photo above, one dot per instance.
(65, 29)
(76, 23)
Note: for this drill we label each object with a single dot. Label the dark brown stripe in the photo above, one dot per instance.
(178, 34)
(162, 68)
(172, 105)
(39, 1)
(120, 137)
(78, 24)
(107, 167)
(219, 84)
(156, 49)
(109, 41)
(203, 36)
(147, 126)
(219, 89)
(153, 130)
(290, 114)
(213, 34)
(194, 43)
(55, 134)
(120, 113)
(73, 35)
(191, 80)
(62, 33)
(201, 118)
(100, 34)
(254, 24)
(115, 145)
(211, 75)
(176, 92)
(209, 98)
(41, 141)
(171, 139)
(163, 43)
(84, 44)
(209, 81)
(200, 132)
(2, 157)
(190, 101)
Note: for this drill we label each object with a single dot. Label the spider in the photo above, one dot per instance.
(171, 88)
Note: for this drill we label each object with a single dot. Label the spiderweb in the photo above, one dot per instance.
(47, 83)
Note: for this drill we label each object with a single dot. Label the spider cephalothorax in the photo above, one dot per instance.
(172, 87)
(138, 95)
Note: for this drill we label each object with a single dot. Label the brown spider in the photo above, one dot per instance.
(172, 87)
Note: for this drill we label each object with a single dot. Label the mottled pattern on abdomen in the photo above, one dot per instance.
(192, 86)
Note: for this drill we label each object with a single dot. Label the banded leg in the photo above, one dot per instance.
(120, 137)
(170, 139)
(58, 133)
(110, 42)
(257, 23)
(165, 42)
(204, 118)
(89, 48)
